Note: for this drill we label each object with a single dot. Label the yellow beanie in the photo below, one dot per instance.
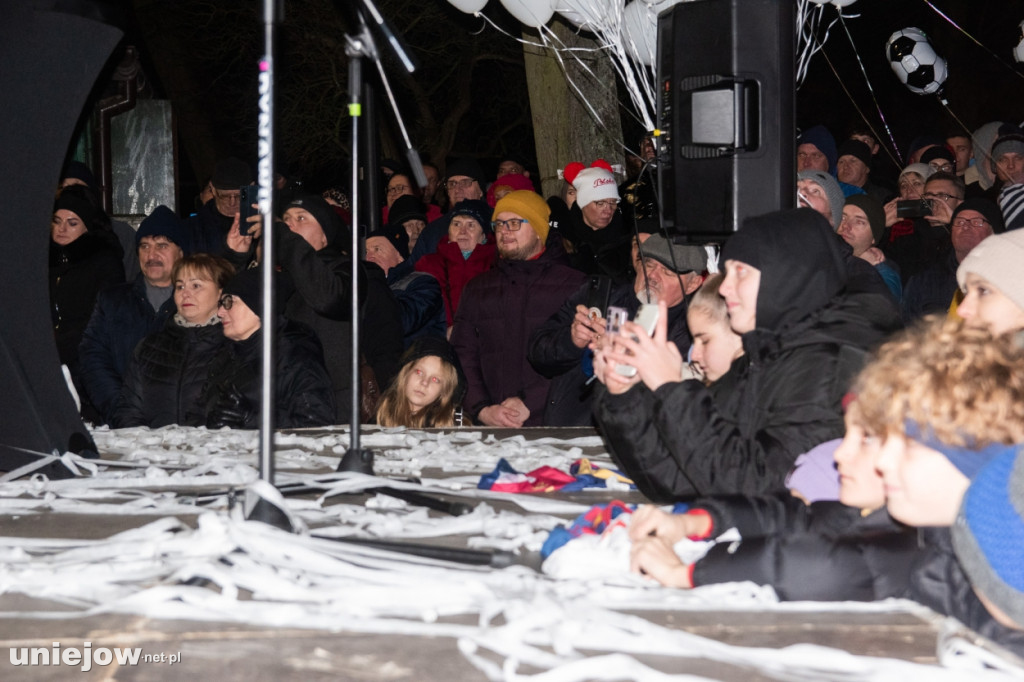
(529, 205)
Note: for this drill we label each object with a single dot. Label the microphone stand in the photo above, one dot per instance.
(359, 46)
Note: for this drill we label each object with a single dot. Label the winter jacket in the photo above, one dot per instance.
(322, 301)
(122, 318)
(931, 290)
(165, 376)
(553, 354)
(938, 582)
(599, 252)
(825, 551)
(498, 311)
(923, 246)
(79, 271)
(452, 271)
(780, 399)
(419, 301)
(304, 394)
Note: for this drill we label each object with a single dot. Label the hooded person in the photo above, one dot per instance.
(596, 236)
(77, 173)
(84, 259)
(466, 251)
(232, 393)
(804, 337)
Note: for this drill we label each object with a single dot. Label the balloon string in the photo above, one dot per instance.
(972, 38)
(874, 99)
(945, 105)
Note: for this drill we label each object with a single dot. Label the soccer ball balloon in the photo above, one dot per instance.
(914, 61)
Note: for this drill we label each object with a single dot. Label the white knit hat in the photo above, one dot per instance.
(998, 259)
(592, 184)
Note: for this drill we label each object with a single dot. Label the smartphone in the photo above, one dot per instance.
(913, 208)
(646, 317)
(247, 197)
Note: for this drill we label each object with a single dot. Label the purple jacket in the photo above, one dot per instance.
(498, 311)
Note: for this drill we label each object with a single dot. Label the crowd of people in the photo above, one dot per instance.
(829, 383)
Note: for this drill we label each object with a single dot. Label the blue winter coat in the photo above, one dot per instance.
(122, 318)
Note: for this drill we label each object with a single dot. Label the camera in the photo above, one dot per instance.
(246, 198)
(913, 208)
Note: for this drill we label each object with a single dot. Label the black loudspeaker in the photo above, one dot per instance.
(50, 56)
(726, 114)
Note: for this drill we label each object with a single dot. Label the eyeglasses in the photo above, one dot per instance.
(459, 184)
(397, 189)
(944, 167)
(228, 196)
(606, 203)
(973, 222)
(939, 195)
(512, 224)
(226, 301)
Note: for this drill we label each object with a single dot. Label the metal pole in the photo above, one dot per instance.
(272, 11)
(355, 87)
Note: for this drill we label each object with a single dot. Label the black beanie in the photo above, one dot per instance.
(874, 212)
(231, 173)
(76, 200)
(395, 234)
(470, 168)
(324, 214)
(78, 171)
(406, 207)
(426, 346)
(477, 209)
(857, 149)
(986, 208)
(162, 222)
(248, 286)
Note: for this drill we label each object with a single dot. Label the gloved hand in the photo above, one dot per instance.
(232, 409)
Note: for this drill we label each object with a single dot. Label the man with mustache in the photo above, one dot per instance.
(126, 313)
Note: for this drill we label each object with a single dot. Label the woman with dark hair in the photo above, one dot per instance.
(169, 368)
(233, 390)
(85, 259)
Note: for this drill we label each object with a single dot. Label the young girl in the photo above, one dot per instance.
(427, 391)
(715, 344)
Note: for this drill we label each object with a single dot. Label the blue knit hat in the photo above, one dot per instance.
(988, 535)
(821, 138)
(967, 459)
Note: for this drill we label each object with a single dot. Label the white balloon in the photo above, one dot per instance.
(533, 13)
(468, 6)
(837, 3)
(582, 13)
(640, 32)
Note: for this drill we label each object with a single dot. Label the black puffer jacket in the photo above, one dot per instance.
(79, 271)
(824, 551)
(553, 354)
(780, 399)
(938, 582)
(166, 375)
(499, 310)
(304, 394)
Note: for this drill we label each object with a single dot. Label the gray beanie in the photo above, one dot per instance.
(836, 199)
(997, 258)
(678, 258)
